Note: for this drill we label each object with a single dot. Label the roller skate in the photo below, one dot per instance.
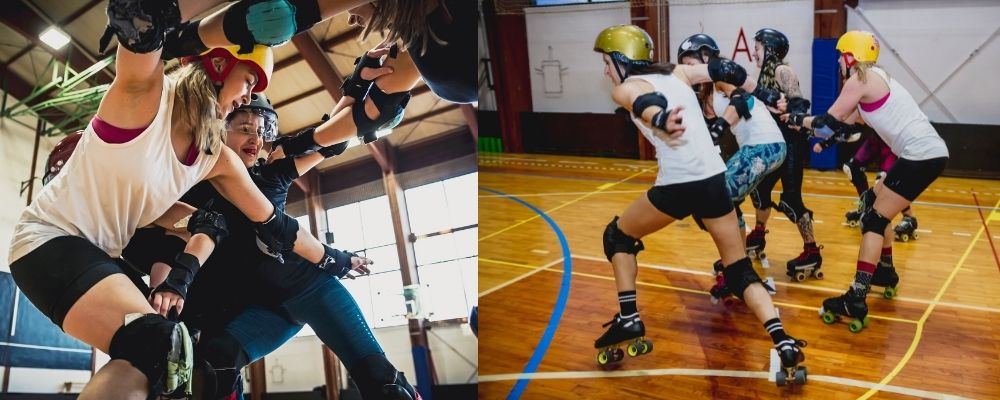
(853, 218)
(791, 355)
(755, 245)
(808, 263)
(846, 305)
(720, 291)
(907, 229)
(885, 277)
(621, 331)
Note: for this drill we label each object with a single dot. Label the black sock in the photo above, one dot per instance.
(626, 300)
(776, 330)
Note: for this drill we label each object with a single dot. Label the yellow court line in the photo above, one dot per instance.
(599, 189)
(681, 289)
(927, 313)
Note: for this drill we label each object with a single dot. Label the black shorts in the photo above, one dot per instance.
(705, 199)
(56, 274)
(909, 178)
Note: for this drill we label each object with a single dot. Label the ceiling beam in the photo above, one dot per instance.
(326, 44)
(321, 66)
(29, 21)
(20, 89)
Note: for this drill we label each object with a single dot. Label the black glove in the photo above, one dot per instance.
(798, 105)
(211, 223)
(796, 119)
(140, 25)
(354, 85)
(299, 144)
(336, 262)
(183, 42)
(659, 120)
(722, 70)
(182, 270)
(769, 96)
(278, 234)
(739, 100)
(717, 128)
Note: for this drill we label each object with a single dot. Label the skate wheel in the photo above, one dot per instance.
(619, 355)
(829, 317)
(865, 321)
(915, 237)
(800, 276)
(818, 274)
(856, 326)
(633, 349)
(852, 224)
(602, 358)
(889, 293)
(647, 346)
(800, 376)
(781, 378)
(713, 299)
(904, 237)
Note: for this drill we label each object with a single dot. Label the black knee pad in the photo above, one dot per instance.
(616, 241)
(145, 343)
(872, 221)
(390, 107)
(378, 379)
(268, 22)
(740, 275)
(223, 358)
(867, 200)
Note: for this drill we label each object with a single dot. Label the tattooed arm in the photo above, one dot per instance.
(788, 81)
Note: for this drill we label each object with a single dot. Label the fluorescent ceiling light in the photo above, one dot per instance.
(54, 38)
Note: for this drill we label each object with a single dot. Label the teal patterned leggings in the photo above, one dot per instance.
(748, 167)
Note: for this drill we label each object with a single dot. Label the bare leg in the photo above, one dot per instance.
(94, 319)
(725, 233)
(641, 218)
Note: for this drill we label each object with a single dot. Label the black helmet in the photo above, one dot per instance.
(775, 43)
(695, 43)
(260, 105)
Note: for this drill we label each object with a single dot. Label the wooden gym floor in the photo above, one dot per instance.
(538, 322)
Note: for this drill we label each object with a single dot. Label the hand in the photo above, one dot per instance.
(817, 148)
(369, 73)
(674, 129)
(276, 154)
(782, 104)
(360, 267)
(163, 301)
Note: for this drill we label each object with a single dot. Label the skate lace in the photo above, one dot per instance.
(613, 320)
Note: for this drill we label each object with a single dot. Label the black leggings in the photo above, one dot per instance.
(790, 172)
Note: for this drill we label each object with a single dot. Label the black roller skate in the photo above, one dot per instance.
(853, 218)
(885, 277)
(755, 245)
(907, 229)
(720, 291)
(791, 355)
(621, 331)
(808, 263)
(846, 305)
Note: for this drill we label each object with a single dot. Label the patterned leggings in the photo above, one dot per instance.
(748, 167)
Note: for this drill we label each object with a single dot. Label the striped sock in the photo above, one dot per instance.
(777, 332)
(626, 300)
(887, 256)
(862, 279)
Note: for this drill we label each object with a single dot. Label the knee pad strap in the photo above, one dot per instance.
(740, 275)
(616, 241)
(390, 108)
(872, 221)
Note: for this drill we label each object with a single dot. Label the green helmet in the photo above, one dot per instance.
(260, 105)
(626, 44)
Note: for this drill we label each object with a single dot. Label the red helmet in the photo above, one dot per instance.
(60, 155)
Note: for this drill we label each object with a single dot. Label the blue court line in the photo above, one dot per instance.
(557, 310)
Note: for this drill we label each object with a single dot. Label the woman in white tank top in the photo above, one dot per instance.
(888, 108)
(161, 135)
(691, 181)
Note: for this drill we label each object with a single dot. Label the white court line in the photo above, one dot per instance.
(807, 287)
(37, 347)
(577, 162)
(519, 159)
(712, 373)
(540, 251)
(518, 278)
(963, 234)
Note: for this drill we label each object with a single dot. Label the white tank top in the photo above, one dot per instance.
(903, 126)
(106, 191)
(759, 129)
(693, 161)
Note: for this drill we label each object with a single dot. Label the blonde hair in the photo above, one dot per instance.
(403, 20)
(195, 104)
(861, 69)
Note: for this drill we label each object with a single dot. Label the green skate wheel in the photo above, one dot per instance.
(829, 317)
(781, 378)
(633, 350)
(889, 293)
(864, 322)
(602, 358)
(856, 326)
(800, 376)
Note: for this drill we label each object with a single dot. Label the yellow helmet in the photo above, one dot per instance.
(625, 43)
(260, 60)
(862, 45)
